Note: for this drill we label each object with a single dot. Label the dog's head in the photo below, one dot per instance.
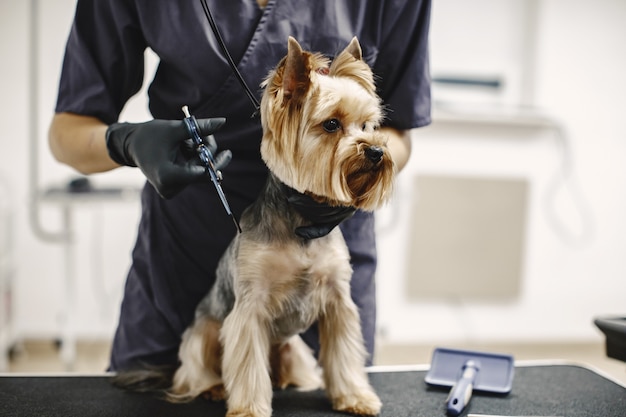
(320, 122)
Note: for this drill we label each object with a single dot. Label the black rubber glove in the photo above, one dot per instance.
(323, 217)
(164, 152)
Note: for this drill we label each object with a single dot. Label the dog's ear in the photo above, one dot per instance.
(296, 74)
(349, 63)
(354, 49)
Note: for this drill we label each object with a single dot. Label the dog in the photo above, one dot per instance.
(321, 144)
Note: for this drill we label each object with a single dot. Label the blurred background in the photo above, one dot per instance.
(507, 230)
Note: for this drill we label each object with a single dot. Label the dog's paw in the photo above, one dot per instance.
(215, 393)
(247, 413)
(365, 403)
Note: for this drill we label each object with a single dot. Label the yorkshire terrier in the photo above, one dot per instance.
(321, 143)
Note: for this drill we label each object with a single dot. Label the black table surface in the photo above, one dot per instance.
(540, 390)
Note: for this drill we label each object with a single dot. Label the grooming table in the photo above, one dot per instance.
(538, 390)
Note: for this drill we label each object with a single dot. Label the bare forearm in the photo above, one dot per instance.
(399, 145)
(79, 141)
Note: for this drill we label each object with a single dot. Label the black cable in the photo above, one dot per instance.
(222, 45)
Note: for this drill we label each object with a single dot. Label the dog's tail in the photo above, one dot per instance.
(151, 379)
(162, 382)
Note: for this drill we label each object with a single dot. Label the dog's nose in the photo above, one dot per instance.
(374, 153)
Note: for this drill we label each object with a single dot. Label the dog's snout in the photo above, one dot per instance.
(374, 153)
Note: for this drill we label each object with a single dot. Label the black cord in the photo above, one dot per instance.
(222, 45)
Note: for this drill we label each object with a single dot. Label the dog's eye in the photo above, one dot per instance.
(364, 126)
(331, 125)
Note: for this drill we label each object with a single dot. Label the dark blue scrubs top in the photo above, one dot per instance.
(180, 240)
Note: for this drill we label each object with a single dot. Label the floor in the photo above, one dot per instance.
(92, 356)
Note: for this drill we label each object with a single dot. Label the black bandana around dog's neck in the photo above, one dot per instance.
(322, 216)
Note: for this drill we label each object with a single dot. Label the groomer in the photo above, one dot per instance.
(184, 228)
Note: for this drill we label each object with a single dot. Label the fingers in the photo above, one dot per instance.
(179, 130)
(173, 178)
(223, 158)
(184, 166)
(210, 126)
(209, 142)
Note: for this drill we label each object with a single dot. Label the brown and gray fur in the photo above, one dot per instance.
(272, 284)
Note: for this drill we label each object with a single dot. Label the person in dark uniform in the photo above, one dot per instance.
(184, 228)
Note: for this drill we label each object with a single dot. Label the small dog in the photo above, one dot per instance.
(320, 139)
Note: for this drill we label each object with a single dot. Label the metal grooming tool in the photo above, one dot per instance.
(207, 159)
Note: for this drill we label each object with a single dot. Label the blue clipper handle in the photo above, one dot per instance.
(461, 392)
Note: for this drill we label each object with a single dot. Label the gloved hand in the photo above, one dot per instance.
(323, 217)
(164, 152)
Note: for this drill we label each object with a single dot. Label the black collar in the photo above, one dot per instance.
(322, 216)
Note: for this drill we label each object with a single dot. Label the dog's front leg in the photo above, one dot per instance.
(245, 363)
(342, 355)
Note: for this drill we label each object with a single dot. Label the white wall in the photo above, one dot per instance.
(580, 61)
(103, 235)
(579, 80)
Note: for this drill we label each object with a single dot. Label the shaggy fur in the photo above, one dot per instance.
(319, 138)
